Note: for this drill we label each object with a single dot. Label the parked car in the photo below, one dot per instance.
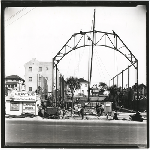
(51, 113)
(136, 117)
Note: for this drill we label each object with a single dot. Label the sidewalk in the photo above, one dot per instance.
(122, 118)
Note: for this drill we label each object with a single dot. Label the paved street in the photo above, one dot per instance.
(44, 131)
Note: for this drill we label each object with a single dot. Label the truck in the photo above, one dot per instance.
(52, 113)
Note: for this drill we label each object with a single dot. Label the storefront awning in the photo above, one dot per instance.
(11, 83)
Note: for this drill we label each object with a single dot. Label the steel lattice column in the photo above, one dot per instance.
(56, 85)
(137, 87)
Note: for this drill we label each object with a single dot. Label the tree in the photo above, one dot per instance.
(74, 84)
(102, 85)
(39, 90)
(113, 96)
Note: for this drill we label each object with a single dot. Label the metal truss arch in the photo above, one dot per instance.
(109, 40)
(97, 38)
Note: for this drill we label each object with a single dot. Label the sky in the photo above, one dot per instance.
(40, 32)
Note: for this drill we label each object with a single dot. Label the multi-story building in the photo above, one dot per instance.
(14, 82)
(83, 88)
(38, 74)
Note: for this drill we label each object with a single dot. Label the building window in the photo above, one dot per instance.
(85, 85)
(30, 68)
(39, 78)
(40, 69)
(30, 78)
(14, 106)
(12, 86)
(46, 68)
(30, 88)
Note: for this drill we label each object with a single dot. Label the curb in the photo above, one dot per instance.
(102, 120)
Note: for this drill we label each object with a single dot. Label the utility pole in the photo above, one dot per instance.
(92, 45)
(91, 55)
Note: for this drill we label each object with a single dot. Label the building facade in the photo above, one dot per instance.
(83, 91)
(38, 74)
(17, 103)
(14, 82)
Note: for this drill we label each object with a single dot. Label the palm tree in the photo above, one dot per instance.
(74, 84)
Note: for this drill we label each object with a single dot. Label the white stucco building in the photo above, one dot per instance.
(15, 82)
(17, 103)
(83, 88)
(38, 74)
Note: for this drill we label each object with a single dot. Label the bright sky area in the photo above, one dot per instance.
(40, 32)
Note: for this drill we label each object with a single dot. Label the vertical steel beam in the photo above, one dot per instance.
(84, 39)
(74, 41)
(128, 77)
(41, 87)
(88, 83)
(128, 85)
(113, 81)
(105, 39)
(116, 41)
(95, 37)
(122, 80)
(52, 79)
(117, 81)
(63, 89)
(60, 88)
(37, 82)
(56, 86)
(137, 88)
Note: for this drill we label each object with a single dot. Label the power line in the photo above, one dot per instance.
(100, 67)
(18, 12)
(80, 58)
(21, 16)
(67, 70)
(105, 68)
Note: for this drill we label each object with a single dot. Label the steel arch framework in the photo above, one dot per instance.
(78, 40)
(105, 39)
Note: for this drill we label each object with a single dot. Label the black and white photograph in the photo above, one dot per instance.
(75, 75)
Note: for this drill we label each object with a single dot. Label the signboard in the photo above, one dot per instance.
(29, 108)
(23, 93)
(23, 96)
(30, 98)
